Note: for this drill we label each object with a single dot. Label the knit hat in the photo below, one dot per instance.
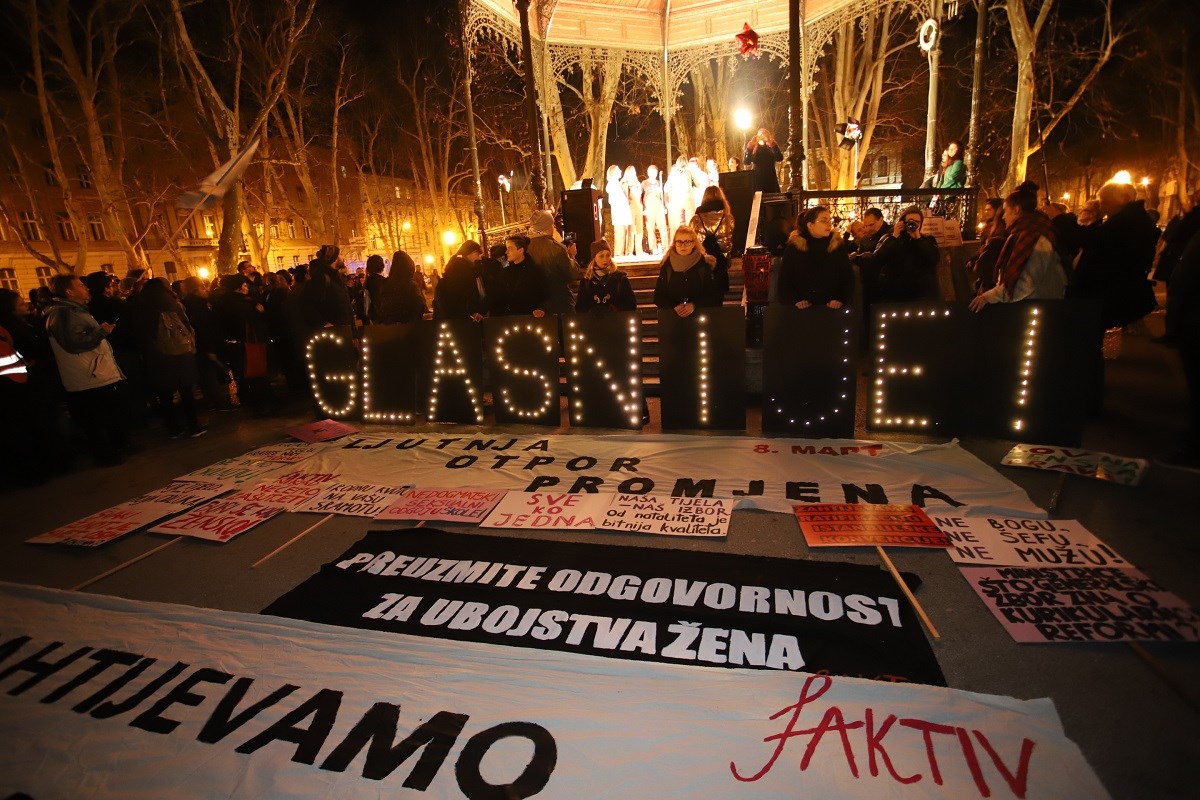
(541, 223)
(598, 246)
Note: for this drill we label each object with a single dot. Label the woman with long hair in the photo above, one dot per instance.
(622, 215)
(459, 294)
(604, 288)
(815, 270)
(685, 279)
(713, 224)
(1028, 267)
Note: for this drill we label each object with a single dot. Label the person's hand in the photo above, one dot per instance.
(978, 303)
(834, 304)
(538, 313)
(685, 309)
(898, 229)
(477, 317)
(803, 304)
(107, 327)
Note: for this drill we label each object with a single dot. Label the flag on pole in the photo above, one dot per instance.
(213, 187)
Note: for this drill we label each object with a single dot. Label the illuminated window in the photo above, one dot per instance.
(96, 228)
(8, 280)
(44, 274)
(30, 228)
(66, 228)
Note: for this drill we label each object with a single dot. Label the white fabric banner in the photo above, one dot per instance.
(772, 474)
(102, 697)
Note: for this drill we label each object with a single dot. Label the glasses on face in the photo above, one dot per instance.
(685, 241)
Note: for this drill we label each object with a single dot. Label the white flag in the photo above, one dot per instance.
(213, 187)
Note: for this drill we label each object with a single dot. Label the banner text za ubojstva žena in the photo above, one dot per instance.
(1016, 370)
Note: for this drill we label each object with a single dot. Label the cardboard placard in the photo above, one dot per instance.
(1074, 461)
(286, 452)
(434, 504)
(867, 524)
(181, 495)
(324, 430)
(352, 499)
(548, 511)
(1005, 541)
(104, 526)
(288, 491)
(1083, 604)
(232, 472)
(669, 516)
(219, 520)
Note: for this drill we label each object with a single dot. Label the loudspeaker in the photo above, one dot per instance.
(739, 191)
(776, 221)
(580, 209)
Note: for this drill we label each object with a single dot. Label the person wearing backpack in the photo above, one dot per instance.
(160, 326)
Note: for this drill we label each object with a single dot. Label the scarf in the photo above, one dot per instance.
(1023, 236)
(682, 263)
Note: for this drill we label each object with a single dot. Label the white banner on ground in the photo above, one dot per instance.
(669, 516)
(353, 499)
(998, 541)
(760, 473)
(111, 698)
(233, 471)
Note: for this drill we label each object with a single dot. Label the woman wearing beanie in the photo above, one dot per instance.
(604, 288)
(815, 270)
(685, 281)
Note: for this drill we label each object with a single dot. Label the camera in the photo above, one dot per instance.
(911, 225)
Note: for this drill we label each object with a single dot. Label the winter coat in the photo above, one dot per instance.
(696, 285)
(816, 270)
(81, 349)
(613, 292)
(324, 299)
(906, 269)
(764, 158)
(558, 272)
(145, 317)
(457, 294)
(1113, 265)
(522, 289)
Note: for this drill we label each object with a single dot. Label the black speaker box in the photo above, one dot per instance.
(580, 209)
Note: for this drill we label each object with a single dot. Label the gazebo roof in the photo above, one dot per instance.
(639, 24)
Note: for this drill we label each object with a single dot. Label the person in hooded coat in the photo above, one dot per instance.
(815, 269)
(170, 359)
(400, 300)
(459, 293)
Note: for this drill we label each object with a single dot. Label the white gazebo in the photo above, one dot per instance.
(663, 40)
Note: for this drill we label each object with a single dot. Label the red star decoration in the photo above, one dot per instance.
(747, 41)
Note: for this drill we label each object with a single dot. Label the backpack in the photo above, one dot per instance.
(174, 337)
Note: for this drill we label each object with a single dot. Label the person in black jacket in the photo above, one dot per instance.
(903, 267)
(459, 293)
(604, 288)
(323, 300)
(400, 300)
(159, 324)
(685, 279)
(242, 324)
(1116, 258)
(522, 284)
(213, 374)
(33, 444)
(815, 270)
(372, 285)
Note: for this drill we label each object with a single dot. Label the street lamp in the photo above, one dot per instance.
(1122, 176)
(505, 182)
(743, 119)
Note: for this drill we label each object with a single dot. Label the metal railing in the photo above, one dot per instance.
(849, 204)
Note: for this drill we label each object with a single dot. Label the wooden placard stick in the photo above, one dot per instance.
(122, 566)
(908, 593)
(292, 540)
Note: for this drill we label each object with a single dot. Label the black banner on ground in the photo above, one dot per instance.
(604, 369)
(703, 609)
(522, 357)
(702, 368)
(809, 371)
(453, 373)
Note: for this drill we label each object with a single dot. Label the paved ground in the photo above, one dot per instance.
(1135, 712)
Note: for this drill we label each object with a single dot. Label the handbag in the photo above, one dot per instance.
(256, 360)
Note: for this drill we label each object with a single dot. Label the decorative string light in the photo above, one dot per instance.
(368, 414)
(879, 413)
(549, 393)
(704, 350)
(1031, 335)
(348, 378)
(844, 395)
(446, 343)
(630, 400)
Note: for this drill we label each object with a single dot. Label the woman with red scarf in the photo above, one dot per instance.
(1028, 267)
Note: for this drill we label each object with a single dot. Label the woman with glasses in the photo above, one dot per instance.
(685, 281)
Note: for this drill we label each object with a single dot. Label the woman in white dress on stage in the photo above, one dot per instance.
(622, 217)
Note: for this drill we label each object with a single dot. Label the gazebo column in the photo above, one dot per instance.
(797, 108)
(537, 179)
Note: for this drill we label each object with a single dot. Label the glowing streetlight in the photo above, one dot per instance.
(1145, 182)
(203, 273)
(1122, 177)
(407, 226)
(449, 238)
(428, 259)
(505, 182)
(743, 119)
(1066, 197)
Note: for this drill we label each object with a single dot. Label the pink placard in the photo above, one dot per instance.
(1083, 604)
(442, 505)
(322, 431)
